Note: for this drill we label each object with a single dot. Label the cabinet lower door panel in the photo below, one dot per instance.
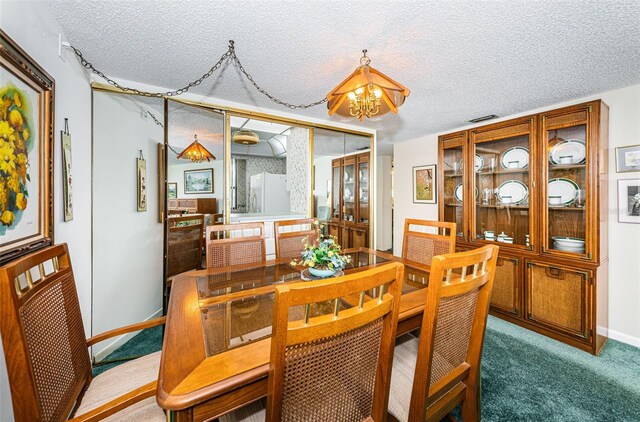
(506, 286)
(359, 238)
(558, 297)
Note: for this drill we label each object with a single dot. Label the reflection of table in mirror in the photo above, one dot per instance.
(217, 340)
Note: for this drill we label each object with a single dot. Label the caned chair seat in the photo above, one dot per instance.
(120, 380)
(254, 412)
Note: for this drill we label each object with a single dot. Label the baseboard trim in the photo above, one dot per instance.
(624, 338)
(119, 341)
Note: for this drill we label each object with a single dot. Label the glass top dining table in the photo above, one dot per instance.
(217, 338)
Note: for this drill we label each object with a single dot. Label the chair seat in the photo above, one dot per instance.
(121, 380)
(404, 366)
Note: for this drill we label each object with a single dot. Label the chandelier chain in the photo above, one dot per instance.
(230, 54)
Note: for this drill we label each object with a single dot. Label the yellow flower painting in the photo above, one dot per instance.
(15, 144)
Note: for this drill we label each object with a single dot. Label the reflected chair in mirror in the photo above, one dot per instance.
(47, 355)
(290, 235)
(235, 244)
(447, 369)
(331, 349)
(424, 239)
(184, 243)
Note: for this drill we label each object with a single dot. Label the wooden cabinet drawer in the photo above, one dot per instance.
(558, 297)
(359, 238)
(505, 295)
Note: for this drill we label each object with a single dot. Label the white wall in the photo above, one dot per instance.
(127, 244)
(384, 227)
(624, 239)
(32, 27)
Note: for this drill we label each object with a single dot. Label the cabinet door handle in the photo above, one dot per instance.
(555, 272)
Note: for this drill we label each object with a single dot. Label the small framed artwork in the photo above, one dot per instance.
(172, 190)
(629, 201)
(628, 158)
(67, 190)
(142, 184)
(26, 151)
(160, 152)
(198, 181)
(424, 184)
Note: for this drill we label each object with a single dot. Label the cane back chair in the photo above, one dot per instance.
(447, 368)
(184, 244)
(335, 366)
(46, 350)
(233, 244)
(419, 245)
(290, 234)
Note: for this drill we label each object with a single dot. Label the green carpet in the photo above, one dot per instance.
(527, 377)
(145, 342)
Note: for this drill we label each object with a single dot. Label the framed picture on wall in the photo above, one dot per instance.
(172, 190)
(198, 181)
(424, 184)
(26, 143)
(628, 158)
(629, 201)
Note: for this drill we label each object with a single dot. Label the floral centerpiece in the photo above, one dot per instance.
(323, 257)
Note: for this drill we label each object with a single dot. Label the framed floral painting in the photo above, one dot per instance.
(26, 160)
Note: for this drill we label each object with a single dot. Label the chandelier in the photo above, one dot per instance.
(196, 152)
(366, 92)
(245, 137)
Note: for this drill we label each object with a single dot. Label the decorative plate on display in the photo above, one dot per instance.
(479, 162)
(569, 241)
(575, 149)
(457, 193)
(513, 192)
(564, 189)
(515, 158)
(306, 275)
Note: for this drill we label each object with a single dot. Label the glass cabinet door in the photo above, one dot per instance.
(451, 181)
(566, 193)
(501, 165)
(363, 189)
(349, 189)
(335, 189)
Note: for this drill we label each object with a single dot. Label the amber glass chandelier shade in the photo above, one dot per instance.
(366, 92)
(196, 152)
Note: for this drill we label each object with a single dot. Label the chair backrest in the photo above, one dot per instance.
(43, 336)
(290, 234)
(452, 333)
(332, 347)
(233, 244)
(184, 243)
(421, 244)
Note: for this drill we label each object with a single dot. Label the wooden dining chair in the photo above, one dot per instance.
(447, 368)
(233, 244)
(334, 365)
(290, 234)
(46, 350)
(424, 239)
(184, 244)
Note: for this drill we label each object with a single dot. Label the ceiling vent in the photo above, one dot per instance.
(245, 137)
(483, 118)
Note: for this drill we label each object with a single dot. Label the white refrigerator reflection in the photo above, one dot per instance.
(268, 194)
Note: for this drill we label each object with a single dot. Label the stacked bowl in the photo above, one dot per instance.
(568, 244)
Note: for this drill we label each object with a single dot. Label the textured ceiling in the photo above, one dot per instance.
(461, 59)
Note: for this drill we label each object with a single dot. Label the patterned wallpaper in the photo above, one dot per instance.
(298, 169)
(255, 165)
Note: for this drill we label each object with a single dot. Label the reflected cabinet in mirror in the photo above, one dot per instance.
(537, 187)
(342, 186)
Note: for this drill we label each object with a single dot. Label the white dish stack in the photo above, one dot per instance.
(568, 244)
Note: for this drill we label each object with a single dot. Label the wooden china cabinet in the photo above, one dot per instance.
(537, 187)
(350, 195)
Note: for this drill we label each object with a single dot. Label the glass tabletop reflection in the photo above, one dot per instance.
(236, 306)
